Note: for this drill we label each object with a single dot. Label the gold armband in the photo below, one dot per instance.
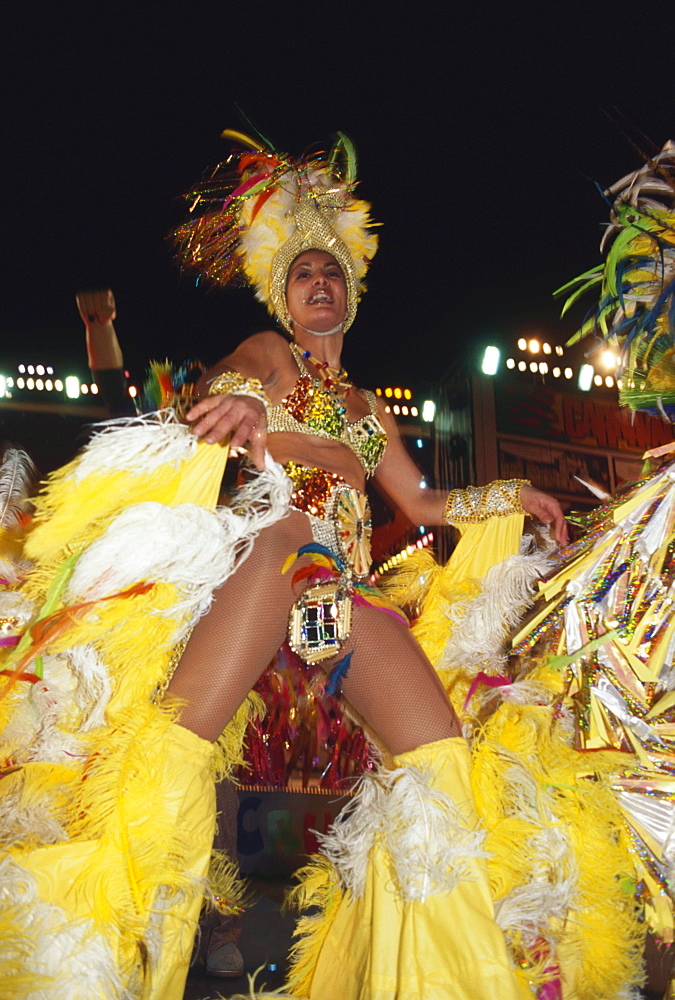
(478, 503)
(231, 383)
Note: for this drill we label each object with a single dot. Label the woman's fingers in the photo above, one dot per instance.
(217, 417)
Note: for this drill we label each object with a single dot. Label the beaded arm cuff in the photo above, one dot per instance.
(478, 503)
(232, 383)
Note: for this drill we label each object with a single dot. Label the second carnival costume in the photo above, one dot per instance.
(106, 805)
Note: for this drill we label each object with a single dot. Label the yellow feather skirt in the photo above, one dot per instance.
(106, 805)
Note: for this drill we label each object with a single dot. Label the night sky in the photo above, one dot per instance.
(480, 138)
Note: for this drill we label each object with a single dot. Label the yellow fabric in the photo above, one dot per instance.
(171, 798)
(516, 747)
(452, 588)
(380, 948)
(483, 545)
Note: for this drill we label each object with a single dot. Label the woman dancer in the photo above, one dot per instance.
(135, 574)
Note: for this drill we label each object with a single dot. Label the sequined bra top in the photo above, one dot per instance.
(312, 409)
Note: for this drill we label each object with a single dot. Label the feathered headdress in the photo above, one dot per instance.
(260, 209)
(636, 309)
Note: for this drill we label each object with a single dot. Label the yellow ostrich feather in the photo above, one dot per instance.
(600, 943)
(319, 888)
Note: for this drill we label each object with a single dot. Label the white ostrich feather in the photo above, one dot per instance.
(93, 685)
(76, 961)
(538, 908)
(17, 478)
(137, 444)
(531, 909)
(423, 831)
(70, 699)
(480, 627)
(192, 547)
(15, 605)
(19, 821)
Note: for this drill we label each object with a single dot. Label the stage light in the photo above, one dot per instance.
(72, 387)
(534, 346)
(585, 380)
(428, 411)
(490, 362)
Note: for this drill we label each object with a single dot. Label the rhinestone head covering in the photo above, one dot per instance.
(260, 210)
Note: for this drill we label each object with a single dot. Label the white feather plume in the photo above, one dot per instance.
(17, 479)
(76, 961)
(136, 444)
(480, 626)
(192, 547)
(426, 837)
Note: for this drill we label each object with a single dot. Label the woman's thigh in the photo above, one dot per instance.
(233, 643)
(392, 684)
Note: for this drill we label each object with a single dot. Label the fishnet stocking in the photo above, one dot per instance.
(231, 645)
(390, 682)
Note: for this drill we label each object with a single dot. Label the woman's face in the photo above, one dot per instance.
(316, 291)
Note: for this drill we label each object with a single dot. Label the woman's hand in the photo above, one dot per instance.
(216, 417)
(96, 308)
(546, 509)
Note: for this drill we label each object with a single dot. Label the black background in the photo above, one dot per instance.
(480, 133)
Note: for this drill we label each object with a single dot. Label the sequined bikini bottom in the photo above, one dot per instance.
(339, 515)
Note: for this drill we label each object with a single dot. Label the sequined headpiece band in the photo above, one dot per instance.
(259, 210)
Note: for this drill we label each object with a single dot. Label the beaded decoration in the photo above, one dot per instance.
(478, 503)
(311, 408)
(235, 384)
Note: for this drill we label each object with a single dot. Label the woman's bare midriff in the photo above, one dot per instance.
(316, 452)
